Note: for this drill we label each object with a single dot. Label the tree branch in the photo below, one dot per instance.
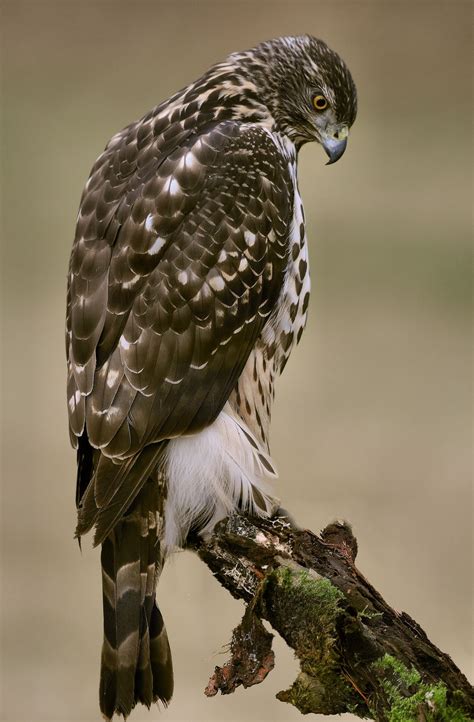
(356, 653)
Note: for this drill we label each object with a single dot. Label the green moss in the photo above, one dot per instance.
(315, 589)
(409, 697)
(315, 600)
(319, 686)
(290, 594)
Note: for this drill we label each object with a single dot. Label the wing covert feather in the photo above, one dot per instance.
(177, 264)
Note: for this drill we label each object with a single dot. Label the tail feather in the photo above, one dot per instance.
(144, 675)
(133, 667)
(160, 658)
(112, 490)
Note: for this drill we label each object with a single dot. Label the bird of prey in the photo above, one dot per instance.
(188, 288)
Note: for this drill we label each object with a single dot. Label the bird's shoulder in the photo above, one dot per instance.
(156, 168)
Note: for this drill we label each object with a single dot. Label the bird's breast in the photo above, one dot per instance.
(255, 389)
(286, 323)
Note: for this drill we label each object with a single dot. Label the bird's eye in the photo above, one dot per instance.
(320, 102)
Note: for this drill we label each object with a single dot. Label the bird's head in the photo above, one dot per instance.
(308, 89)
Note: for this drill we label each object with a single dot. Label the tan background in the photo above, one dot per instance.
(373, 416)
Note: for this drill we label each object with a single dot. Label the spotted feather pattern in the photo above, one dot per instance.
(173, 306)
(188, 286)
(255, 390)
(170, 287)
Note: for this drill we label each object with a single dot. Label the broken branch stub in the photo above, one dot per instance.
(356, 653)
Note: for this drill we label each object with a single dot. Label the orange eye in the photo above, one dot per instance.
(320, 102)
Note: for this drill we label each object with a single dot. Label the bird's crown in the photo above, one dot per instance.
(297, 84)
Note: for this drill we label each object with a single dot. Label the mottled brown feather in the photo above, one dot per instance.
(180, 310)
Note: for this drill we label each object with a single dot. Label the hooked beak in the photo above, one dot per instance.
(334, 143)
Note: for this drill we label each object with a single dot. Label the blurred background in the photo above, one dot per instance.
(373, 417)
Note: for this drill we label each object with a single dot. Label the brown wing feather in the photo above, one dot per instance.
(165, 310)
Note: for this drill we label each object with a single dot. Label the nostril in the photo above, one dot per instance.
(336, 135)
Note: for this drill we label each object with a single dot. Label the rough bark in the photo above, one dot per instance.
(356, 653)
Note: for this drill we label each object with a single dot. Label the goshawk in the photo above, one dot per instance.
(188, 287)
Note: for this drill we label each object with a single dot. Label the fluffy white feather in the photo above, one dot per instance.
(212, 473)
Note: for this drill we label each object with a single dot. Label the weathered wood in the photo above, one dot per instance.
(356, 653)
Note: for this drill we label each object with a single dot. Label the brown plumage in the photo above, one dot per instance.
(188, 287)
(136, 658)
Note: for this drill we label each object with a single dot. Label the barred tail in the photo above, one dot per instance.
(136, 659)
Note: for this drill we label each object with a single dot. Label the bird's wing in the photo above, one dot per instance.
(169, 290)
